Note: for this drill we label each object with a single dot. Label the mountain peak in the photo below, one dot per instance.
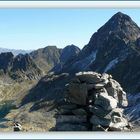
(121, 15)
(72, 46)
(69, 52)
(119, 26)
(120, 18)
(120, 22)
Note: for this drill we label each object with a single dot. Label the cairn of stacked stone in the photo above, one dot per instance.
(94, 102)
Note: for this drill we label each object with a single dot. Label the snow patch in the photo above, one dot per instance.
(111, 64)
(91, 58)
(133, 110)
(85, 63)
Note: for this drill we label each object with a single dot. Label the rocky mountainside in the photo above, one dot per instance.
(51, 57)
(67, 54)
(47, 57)
(113, 49)
(88, 101)
(20, 67)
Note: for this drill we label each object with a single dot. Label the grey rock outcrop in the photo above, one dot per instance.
(19, 68)
(94, 102)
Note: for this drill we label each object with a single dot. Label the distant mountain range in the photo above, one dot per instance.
(32, 65)
(52, 58)
(15, 51)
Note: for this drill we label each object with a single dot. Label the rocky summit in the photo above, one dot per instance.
(94, 102)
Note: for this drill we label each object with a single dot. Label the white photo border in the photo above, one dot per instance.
(70, 4)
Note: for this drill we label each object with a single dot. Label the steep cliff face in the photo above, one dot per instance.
(112, 49)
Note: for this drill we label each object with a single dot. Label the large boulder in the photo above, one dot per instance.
(89, 77)
(115, 90)
(106, 101)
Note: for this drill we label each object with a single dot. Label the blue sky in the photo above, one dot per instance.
(37, 28)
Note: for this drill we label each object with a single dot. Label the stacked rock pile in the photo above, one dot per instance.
(94, 102)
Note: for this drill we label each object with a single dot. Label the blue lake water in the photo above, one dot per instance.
(5, 108)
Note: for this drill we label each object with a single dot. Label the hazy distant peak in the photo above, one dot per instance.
(15, 51)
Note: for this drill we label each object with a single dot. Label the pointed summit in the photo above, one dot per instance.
(120, 23)
(109, 42)
(119, 26)
(121, 16)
